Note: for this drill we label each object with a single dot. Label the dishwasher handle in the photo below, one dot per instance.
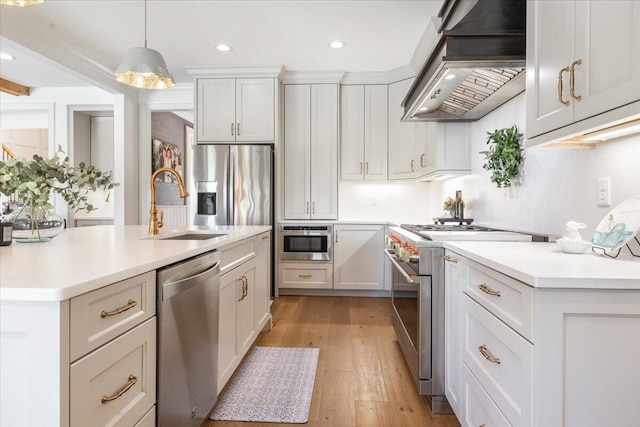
(171, 289)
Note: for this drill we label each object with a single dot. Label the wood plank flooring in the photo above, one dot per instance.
(362, 379)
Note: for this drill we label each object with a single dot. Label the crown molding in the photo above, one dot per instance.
(378, 78)
(309, 77)
(234, 72)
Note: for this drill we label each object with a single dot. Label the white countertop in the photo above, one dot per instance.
(83, 259)
(544, 265)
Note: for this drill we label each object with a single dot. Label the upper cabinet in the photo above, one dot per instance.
(444, 151)
(583, 60)
(311, 151)
(364, 133)
(403, 136)
(231, 110)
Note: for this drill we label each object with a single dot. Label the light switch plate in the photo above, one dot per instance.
(604, 192)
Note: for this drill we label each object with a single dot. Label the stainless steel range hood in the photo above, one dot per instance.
(477, 64)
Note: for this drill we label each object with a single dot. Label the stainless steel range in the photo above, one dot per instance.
(416, 254)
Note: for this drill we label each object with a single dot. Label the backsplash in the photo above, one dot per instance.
(558, 184)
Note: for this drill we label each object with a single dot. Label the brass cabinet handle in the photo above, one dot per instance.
(304, 276)
(487, 354)
(487, 290)
(450, 259)
(130, 304)
(412, 170)
(231, 129)
(265, 237)
(423, 160)
(336, 236)
(238, 129)
(246, 286)
(562, 101)
(313, 207)
(366, 168)
(132, 380)
(572, 80)
(307, 208)
(360, 168)
(244, 294)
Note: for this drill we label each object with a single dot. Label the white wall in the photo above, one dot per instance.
(558, 184)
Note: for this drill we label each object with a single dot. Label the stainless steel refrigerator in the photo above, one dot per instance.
(232, 184)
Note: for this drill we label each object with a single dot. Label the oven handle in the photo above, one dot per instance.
(407, 277)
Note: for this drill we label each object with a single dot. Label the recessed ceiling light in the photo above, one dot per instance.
(424, 108)
(450, 76)
(4, 55)
(336, 44)
(223, 48)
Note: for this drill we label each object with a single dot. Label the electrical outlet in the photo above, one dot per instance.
(604, 192)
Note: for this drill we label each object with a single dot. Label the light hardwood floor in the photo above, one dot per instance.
(362, 378)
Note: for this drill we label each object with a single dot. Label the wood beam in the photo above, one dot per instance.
(13, 88)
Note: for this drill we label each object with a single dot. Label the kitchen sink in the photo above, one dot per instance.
(194, 236)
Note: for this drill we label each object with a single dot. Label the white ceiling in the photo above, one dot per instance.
(378, 35)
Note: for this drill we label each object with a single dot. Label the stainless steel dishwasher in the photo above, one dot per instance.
(188, 295)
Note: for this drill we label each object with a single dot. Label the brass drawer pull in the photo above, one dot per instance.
(423, 161)
(487, 354)
(572, 80)
(304, 276)
(130, 304)
(487, 290)
(265, 237)
(560, 90)
(450, 259)
(132, 380)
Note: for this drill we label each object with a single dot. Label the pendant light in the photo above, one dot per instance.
(20, 3)
(143, 67)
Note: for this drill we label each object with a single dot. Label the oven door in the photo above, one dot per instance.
(411, 297)
(305, 245)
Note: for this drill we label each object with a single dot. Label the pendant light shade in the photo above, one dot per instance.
(144, 68)
(20, 3)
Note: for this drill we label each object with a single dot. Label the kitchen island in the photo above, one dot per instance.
(539, 337)
(78, 319)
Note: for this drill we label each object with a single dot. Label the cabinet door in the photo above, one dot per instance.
(246, 289)
(297, 155)
(609, 73)
(262, 289)
(352, 133)
(375, 132)
(255, 110)
(550, 36)
(455, 276)
(324, 151)
(402, 136)
(215, 121)
(227, 352)
(358, 258)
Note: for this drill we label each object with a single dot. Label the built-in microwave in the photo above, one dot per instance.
(305, 242)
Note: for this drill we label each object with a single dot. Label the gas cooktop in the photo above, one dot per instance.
(417, 228)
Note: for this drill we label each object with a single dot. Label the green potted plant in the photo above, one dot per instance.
(33, 182)
(505, 155)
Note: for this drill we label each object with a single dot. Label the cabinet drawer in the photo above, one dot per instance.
(129, 360)
(511, 301)
(237, 253)
(149, 420)
(99, 316)
(306, 276)
(479, 409)
(500, 359)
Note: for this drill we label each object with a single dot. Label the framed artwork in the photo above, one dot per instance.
(168, 155)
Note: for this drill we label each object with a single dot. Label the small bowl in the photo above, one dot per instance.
(573, 246)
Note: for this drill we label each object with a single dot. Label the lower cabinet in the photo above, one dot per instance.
(523, 356)
(262, 291)
(358, 258)
(236, 331)
(316, 275)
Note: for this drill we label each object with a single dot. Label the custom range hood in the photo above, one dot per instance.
(476, 64)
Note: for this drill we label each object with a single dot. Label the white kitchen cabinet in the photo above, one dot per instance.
(311, 151)
(364, 133)
(358, 257)
(444, 151)
(540, 356)
(311, 275)
(578, 67)
(235, 110)
(455, 276)
(403, 136)
(262, 290)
